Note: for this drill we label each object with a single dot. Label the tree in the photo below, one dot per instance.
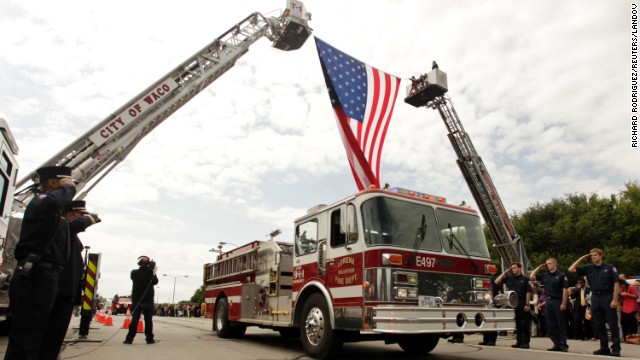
(198, 296)
(566, 228)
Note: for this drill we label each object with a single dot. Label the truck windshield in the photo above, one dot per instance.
(462, 233)
(394, 222)
(390, 221)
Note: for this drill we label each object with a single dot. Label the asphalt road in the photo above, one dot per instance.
(192, 338)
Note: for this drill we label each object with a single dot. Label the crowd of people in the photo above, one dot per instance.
(181, 310)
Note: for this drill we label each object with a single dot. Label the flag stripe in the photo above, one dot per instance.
(363, 99)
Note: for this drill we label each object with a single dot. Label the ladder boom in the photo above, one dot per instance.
(430, 91)
(111, 140)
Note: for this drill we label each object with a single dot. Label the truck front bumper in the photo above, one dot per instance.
(420, 320)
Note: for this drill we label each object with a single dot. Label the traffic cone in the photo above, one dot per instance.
(140, 327)
(127, 320)
(108, 321)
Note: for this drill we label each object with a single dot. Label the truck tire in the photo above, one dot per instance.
(317, 336)
(221, 324)
(420, 344)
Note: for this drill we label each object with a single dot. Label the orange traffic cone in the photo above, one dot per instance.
(108, 321)
(140, 327)
(127, 320)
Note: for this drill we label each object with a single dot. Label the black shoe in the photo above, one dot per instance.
(524, 346)
(603, 352)
(564, 350)
(491, 344)
(554, 349)
(128, 342)
(615, 353)
(516, 345)
(151, 342)
(483, 343)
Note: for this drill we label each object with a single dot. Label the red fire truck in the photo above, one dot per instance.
(383, 264)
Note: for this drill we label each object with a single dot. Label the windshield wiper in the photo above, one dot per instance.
(422, 231)
(459, 246)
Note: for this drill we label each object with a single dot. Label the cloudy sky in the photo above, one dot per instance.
(541, 87)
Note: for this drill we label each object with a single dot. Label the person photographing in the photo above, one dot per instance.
(143, 278)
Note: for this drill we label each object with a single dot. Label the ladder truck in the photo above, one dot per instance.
(96, 153)
(8, 174)
(384, 264)
(429, 90)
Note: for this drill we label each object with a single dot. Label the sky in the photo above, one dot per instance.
(541, 87)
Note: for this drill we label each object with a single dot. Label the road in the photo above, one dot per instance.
(192, 338)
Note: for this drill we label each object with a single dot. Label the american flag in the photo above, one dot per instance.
(363, 98)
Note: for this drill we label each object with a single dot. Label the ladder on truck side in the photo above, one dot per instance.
(429, 90)
(104, 146)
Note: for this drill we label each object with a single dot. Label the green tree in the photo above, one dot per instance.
(568, 227)
(198, 296)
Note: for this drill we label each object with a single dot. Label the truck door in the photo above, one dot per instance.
(343, 257)
(310, 235)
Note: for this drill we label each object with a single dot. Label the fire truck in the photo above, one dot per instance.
(384, 264)
(8, 174)
(97, 152)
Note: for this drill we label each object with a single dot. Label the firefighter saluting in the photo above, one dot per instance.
(41, 253)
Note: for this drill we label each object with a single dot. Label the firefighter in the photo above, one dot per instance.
(144, 278)
(70, 291)
(555, 284)
(603, 280)
(41, 253)
(519, 283)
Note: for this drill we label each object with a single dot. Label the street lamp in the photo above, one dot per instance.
(173, 299)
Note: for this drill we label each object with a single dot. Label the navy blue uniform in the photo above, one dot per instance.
(601, 281)
(142, 300)
(69, 292)
(44, 231)
(554, 284)
(520, 284)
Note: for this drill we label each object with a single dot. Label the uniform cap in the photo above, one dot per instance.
(77, 205)
(53, 172)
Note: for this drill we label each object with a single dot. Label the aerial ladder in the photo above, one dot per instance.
(97, 152)
(429, 90)
(93, 155)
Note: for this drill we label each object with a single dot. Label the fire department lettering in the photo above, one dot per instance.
(428, 262)
(345, 274)
(123, 119)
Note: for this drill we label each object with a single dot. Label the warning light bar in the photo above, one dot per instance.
(419, 194)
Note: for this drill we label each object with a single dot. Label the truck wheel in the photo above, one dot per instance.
(221, 324)
(318, 339)
(418, 344)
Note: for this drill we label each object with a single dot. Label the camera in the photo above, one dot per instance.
(152, 264)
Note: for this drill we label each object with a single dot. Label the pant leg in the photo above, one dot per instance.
(598, 317)
(148, 321)
(31, 301)
(523, 326)
(133, 327)
(552, 322)
(612, 320)
(56, 328)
